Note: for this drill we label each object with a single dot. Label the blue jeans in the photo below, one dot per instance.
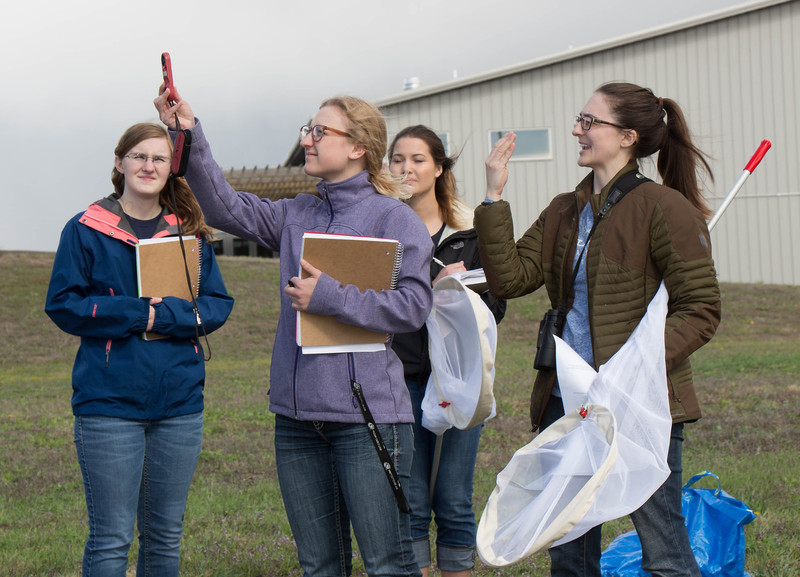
(331, 477)
(136, 471)
(666, 551)
(452, 496)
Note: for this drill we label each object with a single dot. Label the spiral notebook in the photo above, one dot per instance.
(160, 270)
(366, 262)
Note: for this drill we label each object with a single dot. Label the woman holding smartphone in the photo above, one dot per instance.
(330, 474)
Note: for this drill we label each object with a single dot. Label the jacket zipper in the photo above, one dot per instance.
(108, 342)
(294, 380)
(330, 206)
(675, 396)
(569, 258)
(351, 369)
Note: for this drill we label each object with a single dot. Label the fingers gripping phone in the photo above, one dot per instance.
(183, 138)
(166, 72)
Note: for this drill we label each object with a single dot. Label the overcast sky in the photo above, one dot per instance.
(75, 74)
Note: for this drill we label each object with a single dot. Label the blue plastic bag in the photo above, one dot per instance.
(715, 522)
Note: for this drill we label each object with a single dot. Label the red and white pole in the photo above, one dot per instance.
(748, 170)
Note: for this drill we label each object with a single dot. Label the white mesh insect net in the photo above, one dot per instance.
(601, 461)
(462, 343)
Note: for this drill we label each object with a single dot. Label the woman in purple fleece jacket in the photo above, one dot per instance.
(330, 473)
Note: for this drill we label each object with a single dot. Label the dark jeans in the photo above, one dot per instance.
(666, 551)
(331, 478)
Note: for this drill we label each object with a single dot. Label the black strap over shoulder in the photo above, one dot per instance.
(625, 183)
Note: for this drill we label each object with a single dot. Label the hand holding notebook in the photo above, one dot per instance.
(161, 271)
(366, 262)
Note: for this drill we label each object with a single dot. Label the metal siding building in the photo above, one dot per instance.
(734, 73)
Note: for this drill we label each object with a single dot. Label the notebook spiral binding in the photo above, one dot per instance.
(196, 287)
(398, 260)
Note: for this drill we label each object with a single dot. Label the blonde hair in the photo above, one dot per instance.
(188, 210)
(368, 129)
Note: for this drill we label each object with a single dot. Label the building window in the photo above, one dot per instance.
(532, 143)
(241, 247)
(445, 138)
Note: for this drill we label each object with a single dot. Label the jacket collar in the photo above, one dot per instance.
(107, 217)
(584, 189)
(346, 192)
(464, 216)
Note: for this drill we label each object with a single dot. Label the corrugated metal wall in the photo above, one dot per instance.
(737, 81)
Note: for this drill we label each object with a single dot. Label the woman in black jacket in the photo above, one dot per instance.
(418, 156)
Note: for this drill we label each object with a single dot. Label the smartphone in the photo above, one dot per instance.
(166, 71)
(180, 153)
(183, 138)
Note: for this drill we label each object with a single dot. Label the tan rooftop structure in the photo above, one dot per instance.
(273, 183)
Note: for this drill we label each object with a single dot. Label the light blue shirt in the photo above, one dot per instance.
(576, 329)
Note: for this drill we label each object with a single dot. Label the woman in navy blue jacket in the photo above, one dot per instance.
(138, 404)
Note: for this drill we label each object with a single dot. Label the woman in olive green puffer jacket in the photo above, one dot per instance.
(656, 232)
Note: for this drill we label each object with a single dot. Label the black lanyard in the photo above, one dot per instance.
(377, 440)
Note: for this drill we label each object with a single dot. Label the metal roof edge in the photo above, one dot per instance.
(654, 32)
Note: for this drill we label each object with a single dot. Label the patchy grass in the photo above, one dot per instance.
(747, 380)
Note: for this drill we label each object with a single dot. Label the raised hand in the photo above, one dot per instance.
(497, 165)
(167, 111)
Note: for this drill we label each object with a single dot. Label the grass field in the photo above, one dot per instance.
(748, 380)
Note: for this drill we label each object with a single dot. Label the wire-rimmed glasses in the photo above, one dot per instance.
(141, 158)
(319, 130)
(587, 120)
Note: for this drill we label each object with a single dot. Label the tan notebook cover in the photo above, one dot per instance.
(366, 262)
(160, 269)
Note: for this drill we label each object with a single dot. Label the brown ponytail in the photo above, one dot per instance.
(661, 127)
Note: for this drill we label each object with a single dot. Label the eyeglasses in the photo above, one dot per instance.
(141, 158)
(319, 130)
(587, 120)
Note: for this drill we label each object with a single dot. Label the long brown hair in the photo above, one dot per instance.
(451, 207)
(661, 127)
(188, 210)
(368, 129)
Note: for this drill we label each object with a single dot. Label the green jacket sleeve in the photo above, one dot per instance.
(512, 269)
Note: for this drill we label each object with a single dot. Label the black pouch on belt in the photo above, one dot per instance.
(552, 325)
